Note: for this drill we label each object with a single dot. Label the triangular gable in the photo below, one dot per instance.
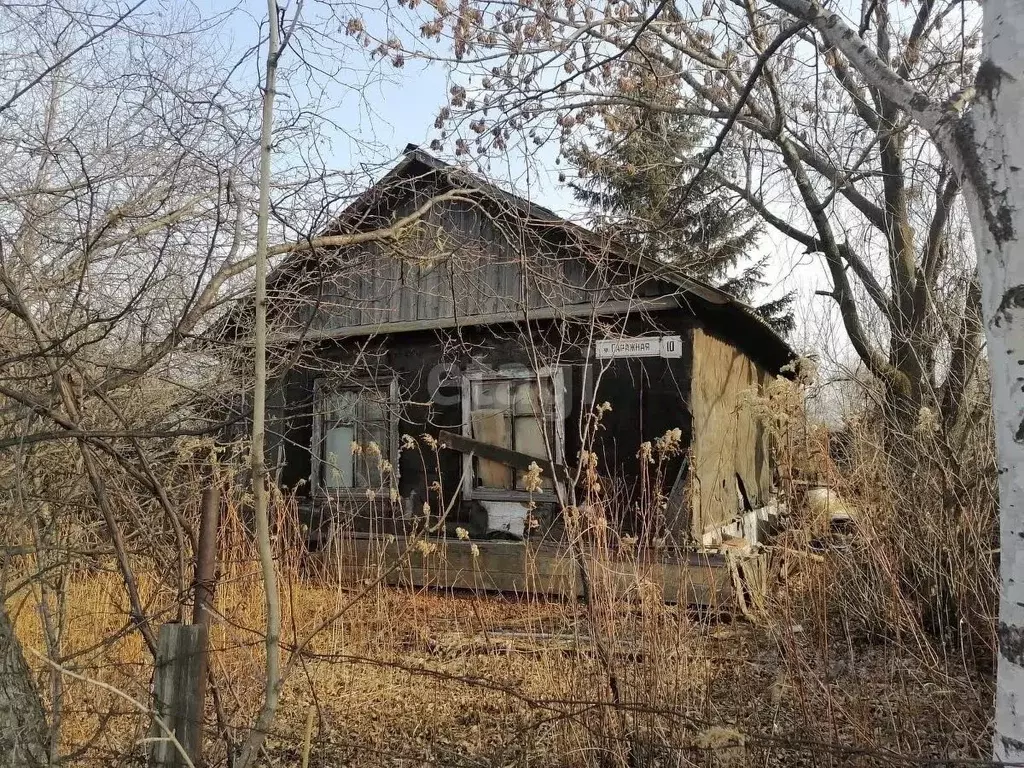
(487, 256)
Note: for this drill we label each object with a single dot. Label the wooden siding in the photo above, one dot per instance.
(648, 397)
(729, 445)
(452, 293)
(460, 263)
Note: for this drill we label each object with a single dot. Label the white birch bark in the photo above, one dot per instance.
(272, 688)
(986, 149)
(992, 155)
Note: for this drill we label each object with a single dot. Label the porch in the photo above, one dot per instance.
(714, 579)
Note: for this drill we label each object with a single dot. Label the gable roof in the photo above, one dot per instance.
(718, 310)
(415, 162)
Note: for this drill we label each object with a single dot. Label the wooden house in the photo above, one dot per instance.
(420, 376)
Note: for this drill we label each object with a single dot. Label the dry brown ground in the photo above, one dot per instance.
(415, 679)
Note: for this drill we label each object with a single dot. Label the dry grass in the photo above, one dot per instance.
(405, 678)
(873, 652)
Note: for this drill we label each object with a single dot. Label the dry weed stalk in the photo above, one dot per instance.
(842, 653)
(888, 560)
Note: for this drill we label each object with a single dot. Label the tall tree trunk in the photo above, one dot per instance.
(993, 159)
(985, 148)
(272, 688)
(24, 736)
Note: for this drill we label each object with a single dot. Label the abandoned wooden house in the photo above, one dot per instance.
(421, 376)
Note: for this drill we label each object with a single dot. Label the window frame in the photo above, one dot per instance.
(324, 386)
(556, 375)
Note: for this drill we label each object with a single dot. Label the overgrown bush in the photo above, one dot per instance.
(902, 544)
(873, 647)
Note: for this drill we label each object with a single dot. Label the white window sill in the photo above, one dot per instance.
(501, 494)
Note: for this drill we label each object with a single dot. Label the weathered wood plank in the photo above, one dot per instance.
(465, 319)
(496, 453)
(730, 445)
(524, 568)
(394, 304)
(179, 664)
(426, 296)
(410, 288)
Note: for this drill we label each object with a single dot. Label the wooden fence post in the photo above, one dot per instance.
(206, 583)
(206, 555)
(179, 666)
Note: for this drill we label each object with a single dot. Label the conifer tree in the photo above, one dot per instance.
(645, 182)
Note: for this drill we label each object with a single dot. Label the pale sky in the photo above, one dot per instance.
(373, 113)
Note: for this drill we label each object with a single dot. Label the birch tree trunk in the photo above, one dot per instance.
(993, 159)
(24, 736)
(272, 689)
(985, 148)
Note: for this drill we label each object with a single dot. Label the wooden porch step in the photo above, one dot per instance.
(699, 578)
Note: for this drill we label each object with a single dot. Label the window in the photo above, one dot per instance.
(354, 432)
(519, 410)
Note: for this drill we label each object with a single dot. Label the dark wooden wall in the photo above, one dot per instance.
(463, 259)
(647, 397)
(466, 272)
(459, 262)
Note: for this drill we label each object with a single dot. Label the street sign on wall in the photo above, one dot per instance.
(642, 346)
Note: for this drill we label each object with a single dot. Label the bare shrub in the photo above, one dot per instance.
(886, 561)
(842, 661)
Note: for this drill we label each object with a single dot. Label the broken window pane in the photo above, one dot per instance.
(356, 438)
(515, 414)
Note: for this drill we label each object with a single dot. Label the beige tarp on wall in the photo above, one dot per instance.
(729, 448)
